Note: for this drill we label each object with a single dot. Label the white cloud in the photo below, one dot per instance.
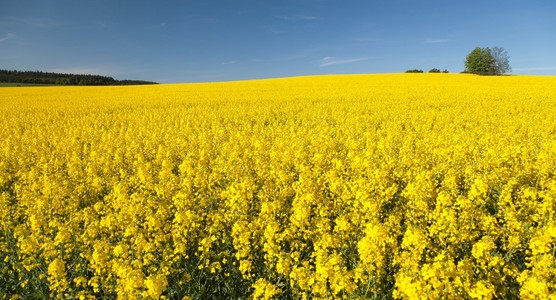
(279, 59)
(33, 22)
(229, 62)
(83, 71)
(7, 37)
(309, 18)
(329, 60)
(362, 39)
(300, 18)
(532, 69)
(436, 41)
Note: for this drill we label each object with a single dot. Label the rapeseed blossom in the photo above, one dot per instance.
(408, 186)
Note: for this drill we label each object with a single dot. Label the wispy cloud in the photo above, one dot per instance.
(330, 61)
(309, 18)
(118, 72)
(98, 25)
(32, 22)
(436, 41)
(7, 37)
(231, 62)
(300, 18)
(84, 71)
(211, 21)
(279, 59)
(362, 39)
(533, 69)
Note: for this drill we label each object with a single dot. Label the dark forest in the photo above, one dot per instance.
(47, 78)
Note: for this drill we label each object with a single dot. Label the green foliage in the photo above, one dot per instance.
(434, 70)
(47, 78)
(487, 61)
(414, 71)
(478, 61)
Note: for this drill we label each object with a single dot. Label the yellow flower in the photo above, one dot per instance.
(481, 291)
(264, 289)
(156, 284)
(482, 248)
(352, 186)
(57, 275)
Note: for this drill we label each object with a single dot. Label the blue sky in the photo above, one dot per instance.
(209, 40)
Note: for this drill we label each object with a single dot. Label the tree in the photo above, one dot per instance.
(478, 61)
(434, 70)
(414, 71)
(38, 77)
(500, 61)
(486, 61)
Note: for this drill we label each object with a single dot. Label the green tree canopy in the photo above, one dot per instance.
(414, 71)
(487, 61)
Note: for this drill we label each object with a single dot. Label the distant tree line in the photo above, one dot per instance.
(39, 77)
(433, 70)
(481, 61)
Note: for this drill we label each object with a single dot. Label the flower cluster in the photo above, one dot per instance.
(408, 186)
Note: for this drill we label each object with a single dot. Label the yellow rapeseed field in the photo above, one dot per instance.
(406, 186)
